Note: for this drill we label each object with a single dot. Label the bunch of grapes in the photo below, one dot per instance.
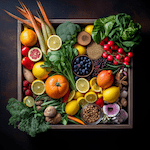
(114, 53)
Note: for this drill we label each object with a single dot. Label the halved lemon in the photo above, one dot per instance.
(81, 101)
(54, 42)
(38, 87)
(94, 85)
(71, 95)
(90, 97)
(29, 101)
(82, 85)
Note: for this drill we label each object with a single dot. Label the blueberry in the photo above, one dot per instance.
(85, 58)
(90, 63)
(78, 73)
(75, 66)
(84, 61)
(80, 70)
(81, 62)
(89, 60)
(89, 66)
(86, 68)
(78, 66)
(83, 66)
(86, 65)
(83, 71)
(81, 58)
(76, 78)
(75, 63)
(77, 60)
(86, 72)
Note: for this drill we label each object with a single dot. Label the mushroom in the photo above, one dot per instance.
(38, 103)
(54, 120)
(50, 111)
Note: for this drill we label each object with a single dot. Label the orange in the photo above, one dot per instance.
(28, 37)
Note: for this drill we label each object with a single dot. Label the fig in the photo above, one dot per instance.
(111, 110)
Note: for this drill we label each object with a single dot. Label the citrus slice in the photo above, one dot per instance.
(71, 95)
(29, 101)
(35, 54)
(82, 85)
(94, 85)
(81, 101)
(54, 42)
(90, 97)
(38, 87)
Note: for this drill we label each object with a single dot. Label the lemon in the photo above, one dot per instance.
(89, 29)
(38, 87)
(39, 72)
(90, 97)
(99, 95)
(111, 94)
(78, 94)
(81, 49)
(72, 107)
(71, 95)
(82, 85)
(81, 101)
(54, 42)
(29, 101)
(94, 85)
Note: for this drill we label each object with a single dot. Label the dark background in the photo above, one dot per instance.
(69, 139)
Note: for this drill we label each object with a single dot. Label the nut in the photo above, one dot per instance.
(124, 102)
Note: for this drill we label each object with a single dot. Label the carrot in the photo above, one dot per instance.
(75, 119)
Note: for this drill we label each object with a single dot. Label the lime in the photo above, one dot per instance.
(82, 85)
(90, 97)
(72, 107)
(54, 42)
(38, 87)
(29, 101)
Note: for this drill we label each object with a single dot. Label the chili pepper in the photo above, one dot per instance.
(65, 98)
(27, 63)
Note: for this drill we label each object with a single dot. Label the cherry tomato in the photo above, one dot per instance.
(104, 55)
(115, 62)
(109, 51)
(125, 63)
(105, 39)
(25, 51)
(110, 43)
(106, 47)
(120, 50)
(130, 54)
(102, 43)
(127, 59)
(114, 47)
(118, 57)
(100, 102)
(110, 58)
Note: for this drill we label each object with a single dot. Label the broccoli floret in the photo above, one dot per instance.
(66, 30)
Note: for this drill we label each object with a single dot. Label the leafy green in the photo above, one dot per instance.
(60, 61)
(120, 29)
(25, 118)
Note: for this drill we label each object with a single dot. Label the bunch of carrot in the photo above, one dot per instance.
(42, 27)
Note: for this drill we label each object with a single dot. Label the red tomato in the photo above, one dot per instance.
(105, 39)
(109, 51)
(130, 54)
(104, 55)
(115, 62)
(110, 43)
(102, 43)
(110, 58)
(114, 47)
(125, 63)
(25, 51)
(127, 59)
(106, 47)
(120, 50)
(100, 102)
(118, 57)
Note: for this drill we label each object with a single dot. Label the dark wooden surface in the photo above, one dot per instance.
(13, 138)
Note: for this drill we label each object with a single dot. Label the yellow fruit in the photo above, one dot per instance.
(81, 101)
(81, 49)
(39, 72)
(111, 94)
(28, 37)
(78, 94)
(38, 87)
(29, 101)
(72, 107)
(54, 42)
(82, 85)
(89, 29)
(90, 97)
(94, 85)
(99, 95)
(71, 95)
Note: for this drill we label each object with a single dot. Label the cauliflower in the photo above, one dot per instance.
(67, 30)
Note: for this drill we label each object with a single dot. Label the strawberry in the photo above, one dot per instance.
(100, 102)
(25, 83)
(28, 92)
(24, 89)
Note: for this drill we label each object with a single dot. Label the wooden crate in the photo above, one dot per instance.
(82, 23)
